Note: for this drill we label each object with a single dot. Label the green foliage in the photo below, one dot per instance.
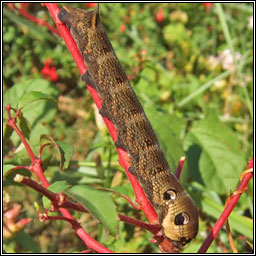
(199, 105)
(99, 203)
(36, 97)
(65, 150)
(218, 153)
(7, 169)
(56, 187)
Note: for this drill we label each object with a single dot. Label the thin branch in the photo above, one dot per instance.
(12, 123)
(153, 228)
(86, 251)
(136, 207)
(41, 150)
(180, 166)
(88, 240)
(25, 14)
(75, 224)
(36, 166)
(56, 198)
(228, 209)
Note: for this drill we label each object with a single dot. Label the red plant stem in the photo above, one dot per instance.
(41, 150)
(53, 197)
(180, 166)
(88, 240)
(123, 156)
(86, 251)
(38, 21)
(36, 166)
(20, 167)
(250, 163)
(153, 228)
(136, 207)
(75, 225)
(12, 124)
(71, 45)
(74, 206)
(228, 209)
(36, 186)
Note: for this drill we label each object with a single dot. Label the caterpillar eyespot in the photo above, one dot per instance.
(134, 131)
(170, 194)
(182, 219)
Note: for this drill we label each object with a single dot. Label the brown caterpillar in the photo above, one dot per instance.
(177, 213)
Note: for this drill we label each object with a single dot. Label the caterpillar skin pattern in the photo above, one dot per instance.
(177, 212)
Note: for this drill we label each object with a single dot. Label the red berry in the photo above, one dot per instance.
(90, 5)
(160, 16)
(122, 28)
(207, 6)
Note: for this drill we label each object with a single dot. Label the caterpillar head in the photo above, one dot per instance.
(84, 28)
(180, 218)
(75, 17)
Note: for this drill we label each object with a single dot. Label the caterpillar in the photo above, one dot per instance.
(177, 212)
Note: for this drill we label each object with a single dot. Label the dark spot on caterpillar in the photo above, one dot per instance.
(170, 194)
(149, 143)
(134, 111)
(120, 79)
(106, 50)
(184, 240)
(181, 219)
(160, 168)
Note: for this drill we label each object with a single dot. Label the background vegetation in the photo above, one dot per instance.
(191, 66)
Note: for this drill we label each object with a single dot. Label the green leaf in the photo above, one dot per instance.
(120, 190)
(37, 207)
(28, 242)
(37, 113)
(7, 132)
(56, 187)
(37, 31)
(10, 171)
(24, 125)
(66, 150)
(33, 96)
(46, 139)
(99, 203)
(214, 207)
(214, 155)
(7, 169)
(239, 223)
